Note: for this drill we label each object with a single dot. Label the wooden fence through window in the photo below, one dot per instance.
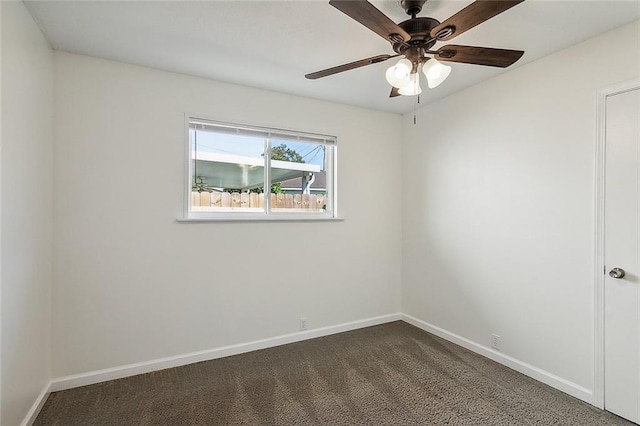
(239, 200)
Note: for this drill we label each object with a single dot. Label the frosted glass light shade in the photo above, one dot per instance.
(436, 72)
(412, 87)
(398, 74)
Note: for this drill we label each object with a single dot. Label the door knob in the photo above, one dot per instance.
(616, 273)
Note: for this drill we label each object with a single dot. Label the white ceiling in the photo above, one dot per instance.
(273, 44)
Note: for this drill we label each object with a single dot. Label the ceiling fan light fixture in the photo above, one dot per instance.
(398, 74)
(412, 88)
(436, 72)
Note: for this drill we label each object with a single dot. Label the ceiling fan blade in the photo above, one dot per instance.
(369, 16)
(394, 92)
(472, 15)
(501, 58)
(349, 66)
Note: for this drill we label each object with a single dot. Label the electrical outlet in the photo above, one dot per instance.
(495, 342)
(303, 323)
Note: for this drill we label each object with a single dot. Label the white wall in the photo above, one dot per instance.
(27, 108)
(498, 225)
(131, 284)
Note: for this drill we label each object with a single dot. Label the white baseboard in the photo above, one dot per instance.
(515, 364)
(93, 377)
(37, 406)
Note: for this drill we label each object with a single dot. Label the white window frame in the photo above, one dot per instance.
(331, 212)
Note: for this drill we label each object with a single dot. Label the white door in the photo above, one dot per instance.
(621, 245)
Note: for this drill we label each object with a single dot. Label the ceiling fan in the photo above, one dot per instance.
(413, 39)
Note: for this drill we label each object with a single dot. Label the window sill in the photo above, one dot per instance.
(261, 218)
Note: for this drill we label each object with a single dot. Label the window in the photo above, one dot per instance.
(244, 172)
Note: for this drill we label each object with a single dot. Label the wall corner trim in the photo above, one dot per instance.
(37, 406)
(536, 373)
(93, 377)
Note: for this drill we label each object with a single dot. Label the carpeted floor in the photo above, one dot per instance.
(392, 374)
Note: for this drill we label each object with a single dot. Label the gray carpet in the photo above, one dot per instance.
(392, 374)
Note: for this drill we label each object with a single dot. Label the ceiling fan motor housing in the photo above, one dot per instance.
(419, 29)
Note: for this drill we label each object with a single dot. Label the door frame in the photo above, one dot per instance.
(599, 206)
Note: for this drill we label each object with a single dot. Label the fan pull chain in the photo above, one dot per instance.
(415, 107)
